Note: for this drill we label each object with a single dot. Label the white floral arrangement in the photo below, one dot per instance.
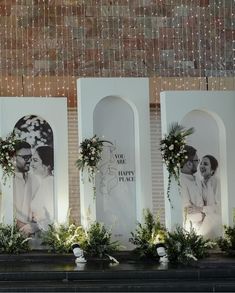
(172, 148)
(90, 151)
(7, 152)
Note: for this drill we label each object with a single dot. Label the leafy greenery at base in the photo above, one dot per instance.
(186, 247)
(227, 243)
(12, 240)
(98, 241)
(144, 237)
(59, 238)
(95, 242)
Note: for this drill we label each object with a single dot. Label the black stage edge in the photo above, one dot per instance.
(45, 272)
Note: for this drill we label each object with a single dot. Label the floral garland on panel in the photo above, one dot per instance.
(7, 152)
(172, 148)
(90, 151)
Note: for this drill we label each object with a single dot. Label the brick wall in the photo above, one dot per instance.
(117, 38)
(74, 202)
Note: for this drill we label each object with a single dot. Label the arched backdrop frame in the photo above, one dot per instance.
(134, 91)
(12, 110)
(175, 105)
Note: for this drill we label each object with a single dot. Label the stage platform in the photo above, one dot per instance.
(44, 272)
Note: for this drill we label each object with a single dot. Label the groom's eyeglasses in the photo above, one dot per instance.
(196, 160)
(25, 157)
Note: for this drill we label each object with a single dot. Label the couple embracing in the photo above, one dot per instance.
(201, 193)
(33, 188)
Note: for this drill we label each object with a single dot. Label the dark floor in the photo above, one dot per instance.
(43, 272)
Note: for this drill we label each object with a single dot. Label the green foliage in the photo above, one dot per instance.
(227, 243)
(98, 241)
(7, 152)
(145, 235)
(185, 247)
(12, 240)
(59, 238)
(90, 151)
(172, 148)
(95, 242)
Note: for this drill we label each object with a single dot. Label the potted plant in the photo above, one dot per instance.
(98, 242)
(186, 247)
(12, 240)
(227, 242)
(147, 235)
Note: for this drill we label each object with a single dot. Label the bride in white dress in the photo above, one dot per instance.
(212, 225)
(42, 205)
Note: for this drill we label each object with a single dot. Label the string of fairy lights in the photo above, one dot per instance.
(47, 45)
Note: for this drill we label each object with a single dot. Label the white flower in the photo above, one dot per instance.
(171, 147)
(92, 158)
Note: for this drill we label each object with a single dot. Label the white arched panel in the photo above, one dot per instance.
(216, 109)
(115, 181)
(54, 111)
(133, 94)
